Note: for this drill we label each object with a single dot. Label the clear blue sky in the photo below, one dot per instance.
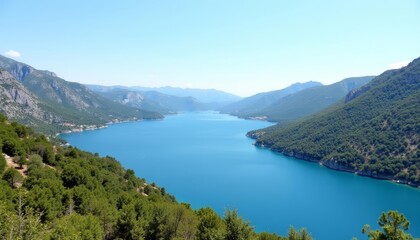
(240, 46)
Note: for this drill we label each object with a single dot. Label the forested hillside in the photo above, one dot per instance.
(56, 192)
(375, 131)
(249, 106)
(309, 101)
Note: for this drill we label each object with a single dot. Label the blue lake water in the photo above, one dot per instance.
(205, 159)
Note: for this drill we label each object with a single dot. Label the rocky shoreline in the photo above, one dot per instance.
(81, 128)
(332, 164)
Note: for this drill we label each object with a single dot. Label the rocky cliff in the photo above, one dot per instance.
(52, 100)
(16, 101)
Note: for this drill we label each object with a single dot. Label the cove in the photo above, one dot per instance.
(205, 159)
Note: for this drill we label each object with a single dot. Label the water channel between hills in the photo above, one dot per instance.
(205, 159)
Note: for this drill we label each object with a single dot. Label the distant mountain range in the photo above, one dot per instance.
(166, 100)
(309, 101)
(251, 105)
(50, 104)
(41, 99)
(50, 101)
(201, 95)
(374, 130)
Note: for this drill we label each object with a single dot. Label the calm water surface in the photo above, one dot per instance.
(204, 158)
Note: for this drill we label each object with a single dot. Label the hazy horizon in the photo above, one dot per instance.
(238, 47)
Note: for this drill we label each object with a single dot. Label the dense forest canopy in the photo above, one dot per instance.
(374, 131)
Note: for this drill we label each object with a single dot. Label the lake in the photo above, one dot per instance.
(205, 159)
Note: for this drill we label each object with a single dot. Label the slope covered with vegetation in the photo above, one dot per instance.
(249, 106)
(57, 192)
(309, 101)
(375, 131)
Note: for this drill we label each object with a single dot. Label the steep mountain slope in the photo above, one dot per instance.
(310, 100)
(254, 104)
(374, 132)
(201, 95)
(67, 101)
(16, 101)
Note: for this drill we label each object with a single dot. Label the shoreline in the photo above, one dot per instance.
(84, 128)
(332, 166)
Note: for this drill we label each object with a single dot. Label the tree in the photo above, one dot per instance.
(20, 160)
(125, 221)
(13, 177)
(46, 197)
(268, 236)
(182, 222)
(8, 222)
(12, 147)
(74, 175)
(210, 226)
(236, 227)
(46, 151)
(156, 228)
(20, 130)
(76, 226)
(20, 224)
(393, 226)
(296, 235)
(148, 189)
(35, 161)
(2, 163)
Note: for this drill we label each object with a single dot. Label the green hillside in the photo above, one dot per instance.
(310, 100)
(374, 132)
(251, 105)
(56, 192)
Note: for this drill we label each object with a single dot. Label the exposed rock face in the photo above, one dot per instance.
(336, 165)
(255, 134)
(50, 99)
(16, 101)
(355, 93)
(20, 71)
(300, 156)
(133, 99)
(48, 87)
